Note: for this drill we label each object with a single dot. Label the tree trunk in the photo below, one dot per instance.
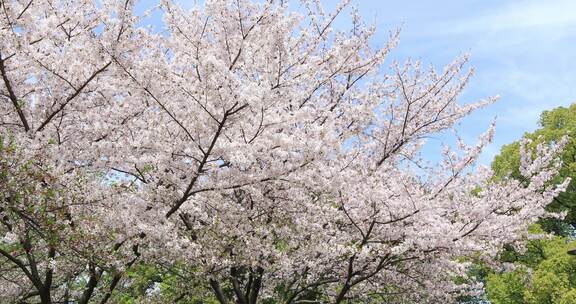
(218, 291)
(45, 297)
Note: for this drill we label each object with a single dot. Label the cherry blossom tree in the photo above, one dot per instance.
(247, 144)
(58, 241)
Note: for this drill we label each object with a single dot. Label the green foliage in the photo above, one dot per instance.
(555, 124)
(569, 297)
(146, 283)
(545, 273)
(508, 287)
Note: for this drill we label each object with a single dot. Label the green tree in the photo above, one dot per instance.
(554, 125)
(544, 273)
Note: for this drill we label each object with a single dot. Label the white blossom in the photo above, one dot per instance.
(247, 142)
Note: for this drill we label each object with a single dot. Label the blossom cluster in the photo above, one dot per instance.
(251, 143)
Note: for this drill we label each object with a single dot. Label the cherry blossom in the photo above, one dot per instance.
(259, 146)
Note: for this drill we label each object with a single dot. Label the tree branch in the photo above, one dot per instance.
(12, 95)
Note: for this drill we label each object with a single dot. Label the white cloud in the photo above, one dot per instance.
(521, 15)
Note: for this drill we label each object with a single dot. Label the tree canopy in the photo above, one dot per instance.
(545, 272)
(554, 125)
(249, 150)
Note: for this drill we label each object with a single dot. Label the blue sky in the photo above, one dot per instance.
(522, 50)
